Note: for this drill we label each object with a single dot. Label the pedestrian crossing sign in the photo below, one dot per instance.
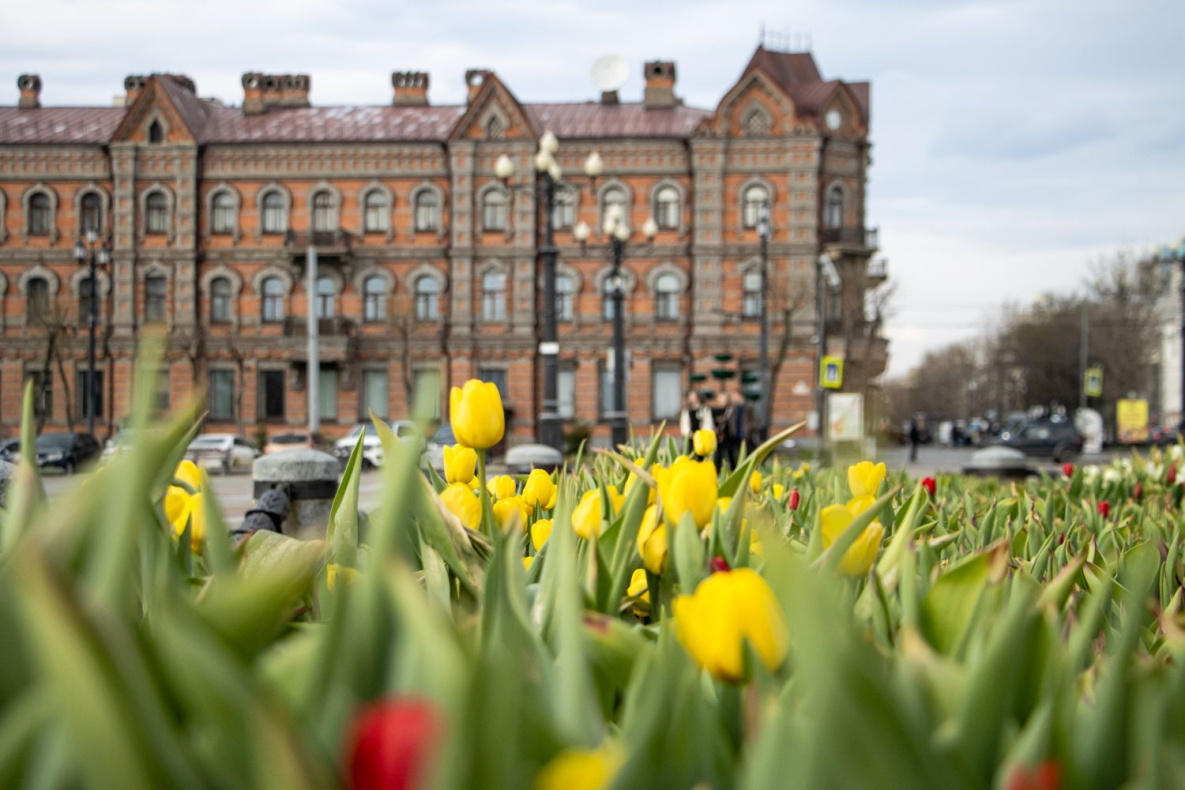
(1092, 383)
(831, 373)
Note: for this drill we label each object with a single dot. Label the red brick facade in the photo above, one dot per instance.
(207, 209)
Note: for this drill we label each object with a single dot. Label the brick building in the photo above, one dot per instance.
(429, 266)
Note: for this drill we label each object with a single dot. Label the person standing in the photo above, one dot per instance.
(695, 416)
(915, 436)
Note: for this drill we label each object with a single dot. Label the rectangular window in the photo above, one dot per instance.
(327, 394)
(156, 291)
(85, 404)
(564, 213)
(374, 393)
(222, 395)
(426, 213)
(377, 217)
(605, 406)
(497, 377)
(42, 395)
(271, 394)
(666, 388)
(493, 297)
(163, 389)
(426, 394)
(565, 388)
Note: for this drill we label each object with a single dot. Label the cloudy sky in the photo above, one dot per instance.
(1015, 141)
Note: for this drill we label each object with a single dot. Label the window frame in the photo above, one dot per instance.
(326, 296)
(374, 302)
(324, 212)
(90, 205)
(262, 410)
(273, 218)
(750, 208)
(495, 216)
(272, 305)
(156, 213)
(40, 220)
(427, 301)
(666, 302)
(84, 298)
(426, 207)
(156, 298)
(565, 301)
(227, 299)
(376, 206)
(751, 298)
(493, 300)
(222, 214)
(666, 369)
(364, 404)
(37, 299)
(666, 212)
(834, 208)
(215, 413)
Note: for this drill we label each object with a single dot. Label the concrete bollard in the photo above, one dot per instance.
(310, 479)
(7, 472)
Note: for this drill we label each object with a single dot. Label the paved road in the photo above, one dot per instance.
(936, 459)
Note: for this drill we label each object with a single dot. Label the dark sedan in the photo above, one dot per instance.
(1058, 440)
(66, 451)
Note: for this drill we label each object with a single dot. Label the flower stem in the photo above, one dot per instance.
(487, 509)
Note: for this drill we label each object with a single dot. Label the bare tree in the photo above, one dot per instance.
(55, 320)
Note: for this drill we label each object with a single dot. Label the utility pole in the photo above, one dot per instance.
(313, 385)
(763, 231)
(1083, 354)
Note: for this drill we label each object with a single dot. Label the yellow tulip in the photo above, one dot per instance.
(459, 463)
(755, 481)
(632, 480)
(704, 443)
(689, 487)
(527, 563)
(865, 478)
(333, 572)
(183, 507)
(540, 532)
(641, 590)
(580, 769)
(551, 502)
(463, 503)
(476, 414)
(539, 489)
(652, 541)
(511, 513)
(860, 556)
(779, 489)
(502, 486)
(728, 609)
(586, 516)
(722, 504)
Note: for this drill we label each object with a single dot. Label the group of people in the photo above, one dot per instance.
(728, 415)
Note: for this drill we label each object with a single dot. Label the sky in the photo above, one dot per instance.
(1015, 142)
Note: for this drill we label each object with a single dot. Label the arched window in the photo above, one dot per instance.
(751, 301)
(666, 208)
(86, 298)
(223, 218)
(752, 201)
(275, 213)
(565, 290)
(156, 132)
(326, 297)
(377, 215)
(427, 297)
(374, 304)
(833, 211)
(666, 297)
(494, 210)
(156, 295)
(40, 215)
(493, 296)
(427, 211)
(37, 307)
(564, 214)
(220, 305)
(156, 213)
(615, 196)
(273, 300)
(91, 208)
(324, 213)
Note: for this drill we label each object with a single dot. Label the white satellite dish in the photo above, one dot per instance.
(609, 72)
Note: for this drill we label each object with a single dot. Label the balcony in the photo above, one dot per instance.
(878, 270)
(865, 238)
(329, 242)
(296, 326)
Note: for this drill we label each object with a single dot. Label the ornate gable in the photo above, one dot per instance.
(851, 120)
(755, 107)
(153, 105)
(494, 114)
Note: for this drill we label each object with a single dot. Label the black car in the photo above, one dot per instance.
(10, 450)
(66, 451)
(1058, 439)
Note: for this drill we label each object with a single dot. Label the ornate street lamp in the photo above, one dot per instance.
(1167, 256)
(549, 177)
(763, 232)
(90, 253)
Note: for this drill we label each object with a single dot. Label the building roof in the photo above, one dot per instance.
(59, 125)
(595, 120)
(331, 124)
(798, 75)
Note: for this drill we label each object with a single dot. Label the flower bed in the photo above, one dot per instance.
(639, 621)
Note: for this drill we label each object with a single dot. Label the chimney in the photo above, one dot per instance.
(474, 79)
(411, 88)
(30, 87)
(660, 85)
(262, 92)
(133, 86)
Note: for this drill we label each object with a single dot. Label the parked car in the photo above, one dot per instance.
(288, 441)
(372, 446)
(10, 450)
(225, 452)
(120, 442)
(1163, 437)
(65, 451)
(522, 458)
(1056, 439)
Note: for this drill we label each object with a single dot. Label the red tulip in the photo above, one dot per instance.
(391, 744)
(1068, 469)
(718, 565)
(1172, 476)
(1138, 491)
(795, 498)
(1046, 776)
(1104, 509)
(931, 485)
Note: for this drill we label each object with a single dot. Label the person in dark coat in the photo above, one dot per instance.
(915, 436)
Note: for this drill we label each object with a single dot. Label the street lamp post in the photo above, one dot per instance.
(617, 230)
(549, 178)
(1169, 255)
(763, 232)
(90, 252)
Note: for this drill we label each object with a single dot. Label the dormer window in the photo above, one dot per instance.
(156, 132)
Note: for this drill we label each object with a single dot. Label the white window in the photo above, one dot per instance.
(615, 196)
(494, 210)
(666, 393)
(427, 211)
(223, 218)
(427, 298)
(220, 301)
(275, 213)
(374, 302)
(377, 214)
(156, 214)
(374, 394)
(666, 297)
(326, 297)
(273, 300)
(566, 392)
(564, 213)
(324, 213)
(493, 296)
(565, 290)
(754, 197)
(834, 210)
(327, 393)
(751, 302)
(666, 208)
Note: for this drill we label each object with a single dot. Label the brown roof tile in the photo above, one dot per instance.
(59, 125)
(331, 124)
(595, 120)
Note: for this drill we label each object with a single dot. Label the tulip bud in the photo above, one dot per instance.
(931, 485)
(462, 503)
(719, 565)
(795, 498)
(1138, 491)
(391, 744)
(1068, 469)
(1104, 509)
(539, 489)
(704, 443)
(502, 487)
(1172, 475)
(459, 463)
(476, 414)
